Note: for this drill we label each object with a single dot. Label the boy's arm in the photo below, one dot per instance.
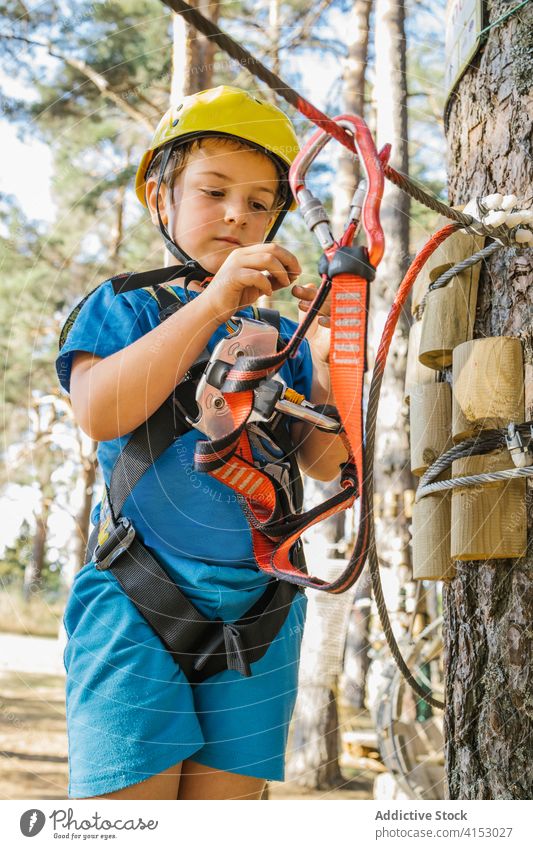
(320, 454)
(112, 396)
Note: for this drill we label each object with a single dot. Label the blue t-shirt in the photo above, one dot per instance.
(192, 523)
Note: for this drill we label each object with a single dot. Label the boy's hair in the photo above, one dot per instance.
(182, 152)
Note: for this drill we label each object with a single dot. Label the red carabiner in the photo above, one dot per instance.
(372, 164)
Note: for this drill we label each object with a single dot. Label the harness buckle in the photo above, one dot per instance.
(118, 541)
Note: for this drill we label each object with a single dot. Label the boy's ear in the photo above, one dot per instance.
(151, 195)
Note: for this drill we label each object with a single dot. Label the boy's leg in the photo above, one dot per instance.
(203, 782)
(164, 785)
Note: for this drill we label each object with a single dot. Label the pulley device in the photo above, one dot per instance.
(250, 338)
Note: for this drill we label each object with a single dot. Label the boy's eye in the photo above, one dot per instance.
(217, 193)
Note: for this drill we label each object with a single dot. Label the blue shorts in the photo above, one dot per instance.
(131, 713)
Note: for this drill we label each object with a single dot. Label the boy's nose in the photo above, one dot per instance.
(236, 211)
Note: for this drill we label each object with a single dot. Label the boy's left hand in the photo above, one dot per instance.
(318, 335)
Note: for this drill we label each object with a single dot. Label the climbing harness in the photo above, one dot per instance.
(202, 647)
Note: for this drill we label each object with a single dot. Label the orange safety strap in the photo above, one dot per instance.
(349, 310)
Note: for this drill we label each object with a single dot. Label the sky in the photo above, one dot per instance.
(28, 174)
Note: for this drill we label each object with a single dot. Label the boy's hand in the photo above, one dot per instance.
(318, 335)
(246, 274)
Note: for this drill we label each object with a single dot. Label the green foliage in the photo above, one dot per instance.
(17, 556)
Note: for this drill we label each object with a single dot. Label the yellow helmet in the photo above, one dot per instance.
(225, 111)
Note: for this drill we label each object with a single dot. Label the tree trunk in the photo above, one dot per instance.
(275, 32)
(488, 607)
(179, 58)
(315, 739)
(117, 233)
(392, 469)
(34, 568)
(315, 743)
(356, 660)
(353, 76)
(88, 469)
(200, 51)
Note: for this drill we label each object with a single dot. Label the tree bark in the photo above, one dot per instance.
(34, 568)
(200, 51)
(392, 471)
(353, 76)
(488, 607)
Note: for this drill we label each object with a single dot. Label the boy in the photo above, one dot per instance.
(215, 181)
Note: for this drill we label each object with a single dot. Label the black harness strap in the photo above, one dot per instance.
(155, 277)
(271, 317)
(202, 647)
(146, 445)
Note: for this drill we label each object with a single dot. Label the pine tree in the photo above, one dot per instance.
(488, 607)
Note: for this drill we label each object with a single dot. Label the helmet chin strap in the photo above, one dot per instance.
(196, 269)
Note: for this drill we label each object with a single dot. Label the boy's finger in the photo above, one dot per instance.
(323, 313)
(275, 271)
(258, 279)
(304, 292)
(266, 253)
(288, 260)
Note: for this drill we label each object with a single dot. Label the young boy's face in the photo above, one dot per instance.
(221, 200)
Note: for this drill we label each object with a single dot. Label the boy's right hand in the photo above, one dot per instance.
(240, 280)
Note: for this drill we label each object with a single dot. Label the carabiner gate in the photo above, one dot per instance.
(365, 205)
